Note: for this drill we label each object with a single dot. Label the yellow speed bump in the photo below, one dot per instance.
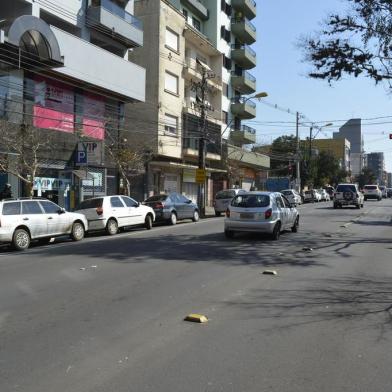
(270, 272)
(196, 318)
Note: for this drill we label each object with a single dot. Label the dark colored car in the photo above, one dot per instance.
(172, 207)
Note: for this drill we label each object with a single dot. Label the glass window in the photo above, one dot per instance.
(129, 202)
(185, 13)
(172, 40)
(229, 194)
(171, 83)
(279, 202)
(31, 207)
(251, 201)
(225, 117)
(286, 202)
(90, 203)
(171, 123)
(49, 207)
(157, 198)
(183, 199)
(196, 23)
(370, 187)
(346, 188)
(11, 208)
(116, 202)
(174, 197)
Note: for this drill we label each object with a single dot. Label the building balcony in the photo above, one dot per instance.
(100, 69)
(192, 72)
(244, 135)
(111, 19)
(244, 30)
(243, 55)
(244, 109)
(246, 7)
(248, 158)
(197, 8)
(243, 82)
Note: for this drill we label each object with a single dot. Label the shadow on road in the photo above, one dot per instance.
(328, 300)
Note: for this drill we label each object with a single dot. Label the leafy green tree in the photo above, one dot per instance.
(357, 42)
(366, 177)
(282, 153)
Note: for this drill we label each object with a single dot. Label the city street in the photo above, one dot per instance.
(106, 314)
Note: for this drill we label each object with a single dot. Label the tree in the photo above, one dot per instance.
(129, 159)
(366, 177)
(355, 43)
(21, 145)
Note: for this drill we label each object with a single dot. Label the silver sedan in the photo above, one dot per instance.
(261, 212)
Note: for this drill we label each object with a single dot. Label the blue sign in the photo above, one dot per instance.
(81, 157)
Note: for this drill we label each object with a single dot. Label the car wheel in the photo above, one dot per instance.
(148, 222)
(173, 218)
(335, 206)
(77, 232)
(358, 206)
(195, 217)
(112, 227)
(21, 239)
(294, 229)
(365, 198)
(229, 234)
(217, 213)
(276, 232)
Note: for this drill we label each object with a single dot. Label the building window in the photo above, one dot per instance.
(225, 89)
(225, 117)
(171, 124)
(226, 8)
(172, 40)
(171, 83)
(227, 63)
(196, 23)
(185, 13)
(225, 34)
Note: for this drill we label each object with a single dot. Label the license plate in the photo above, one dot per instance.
(247, 216)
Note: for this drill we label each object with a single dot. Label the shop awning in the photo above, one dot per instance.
(83, 175)
(185, 166)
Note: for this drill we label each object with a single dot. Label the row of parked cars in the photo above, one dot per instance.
(26, 219)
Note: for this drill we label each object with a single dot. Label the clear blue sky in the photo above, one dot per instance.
(282, 73)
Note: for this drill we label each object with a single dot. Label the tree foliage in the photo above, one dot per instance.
(366, 177)
(355, 43)
(21, 146)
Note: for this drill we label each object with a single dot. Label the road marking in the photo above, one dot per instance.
(269, 272)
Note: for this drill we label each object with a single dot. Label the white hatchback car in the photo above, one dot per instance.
(113, 212)
(261, 212)
(372, 192)
(23, 220)
(292, 196)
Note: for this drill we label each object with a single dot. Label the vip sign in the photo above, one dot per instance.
(89, 153)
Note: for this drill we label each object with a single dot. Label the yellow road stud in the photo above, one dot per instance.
(196, 318)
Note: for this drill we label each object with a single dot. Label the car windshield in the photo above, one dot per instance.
(251, 201)
(346, 188)
(370, 187)
(90, 203)
(156, 198)
(228, 194)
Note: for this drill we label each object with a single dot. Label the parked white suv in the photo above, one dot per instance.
(113, 212)
(348, 195)
(23, 220)
(372, 192)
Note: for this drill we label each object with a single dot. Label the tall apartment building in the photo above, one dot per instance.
(177, 52)
(352, 131)
(64, 70)
(376, 163)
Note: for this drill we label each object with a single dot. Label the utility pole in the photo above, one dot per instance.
(298, 166)
(201, 88)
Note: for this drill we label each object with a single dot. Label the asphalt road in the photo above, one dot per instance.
(106, 314)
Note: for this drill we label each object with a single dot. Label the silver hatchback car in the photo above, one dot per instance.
(261, 212)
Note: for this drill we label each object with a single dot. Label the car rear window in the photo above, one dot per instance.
(90, 203)
(156, 198)
(287, 193)
(308, 192)
(346, 188)
(370, 187)
(225, 194)
(251, 201)
(11, 208)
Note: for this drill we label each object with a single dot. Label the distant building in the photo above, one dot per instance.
(352, 131)
(340, 148)
(389, 182)
(376, 163)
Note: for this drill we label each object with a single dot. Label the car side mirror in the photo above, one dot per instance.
(137, 204)
(188, 201)
(61, 211)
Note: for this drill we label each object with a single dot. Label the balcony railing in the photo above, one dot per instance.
(246, 21)
(246, 129)
(117, 10)
(243, 100)
(247, 48)
(245, 74)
